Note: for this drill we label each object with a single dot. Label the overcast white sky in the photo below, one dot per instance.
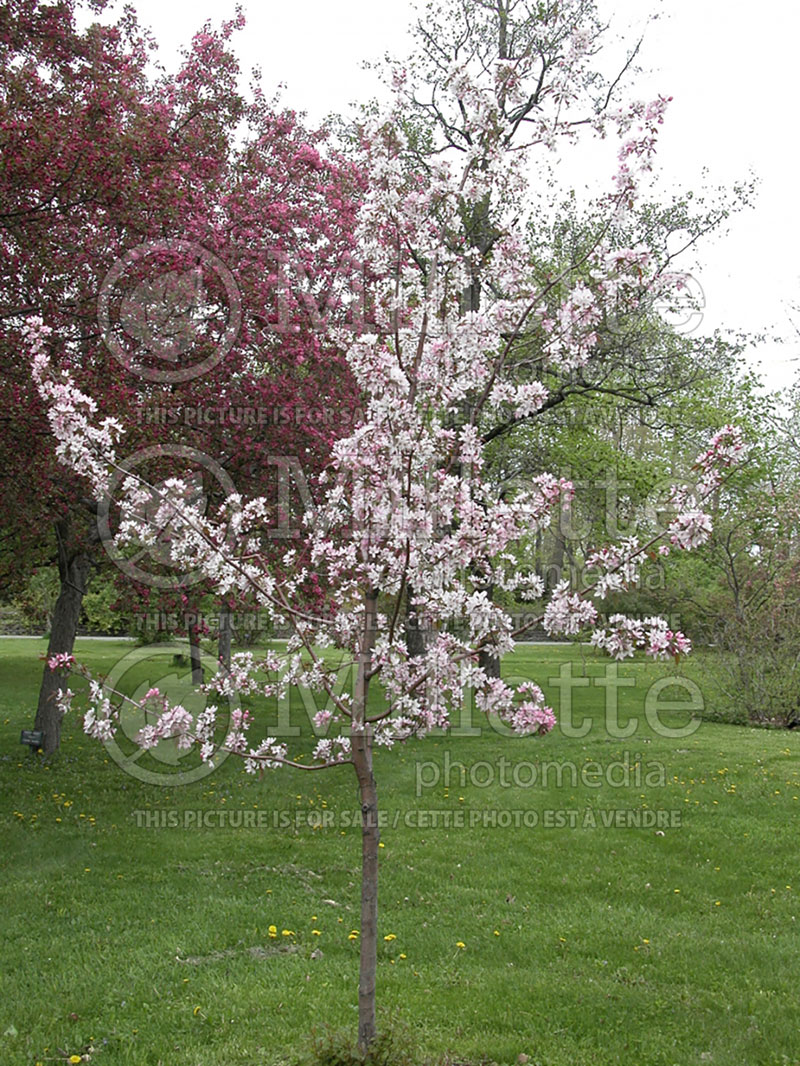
(733, 79)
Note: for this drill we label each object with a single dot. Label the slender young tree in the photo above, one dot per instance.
(406, 499)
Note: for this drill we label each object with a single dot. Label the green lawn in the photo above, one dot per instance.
(618, 899)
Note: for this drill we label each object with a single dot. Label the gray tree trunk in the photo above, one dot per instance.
(74, 566)
(370, 834)
(370, 839)
(556, 569)
(489, 663)
(416, 643)
(195, 656)
(224, 638)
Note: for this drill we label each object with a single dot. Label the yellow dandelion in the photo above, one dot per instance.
(402, 955)
(196, 1011)
(287, 932)
(316, 932)
(460, 944)
(390, 937)
(74, 1058)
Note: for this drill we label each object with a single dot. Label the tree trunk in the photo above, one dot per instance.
(555, 571)
(224, 639)
(370, 838)
(487, 660)
(74, 567)
(415, 635)
(489, 663)
(195, 656)
(370, 833)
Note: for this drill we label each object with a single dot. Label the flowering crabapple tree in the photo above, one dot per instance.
(550, 89)
(100, 159)
(406, 501)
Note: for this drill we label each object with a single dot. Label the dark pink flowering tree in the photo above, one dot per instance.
(405, 501)
(101, 159)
